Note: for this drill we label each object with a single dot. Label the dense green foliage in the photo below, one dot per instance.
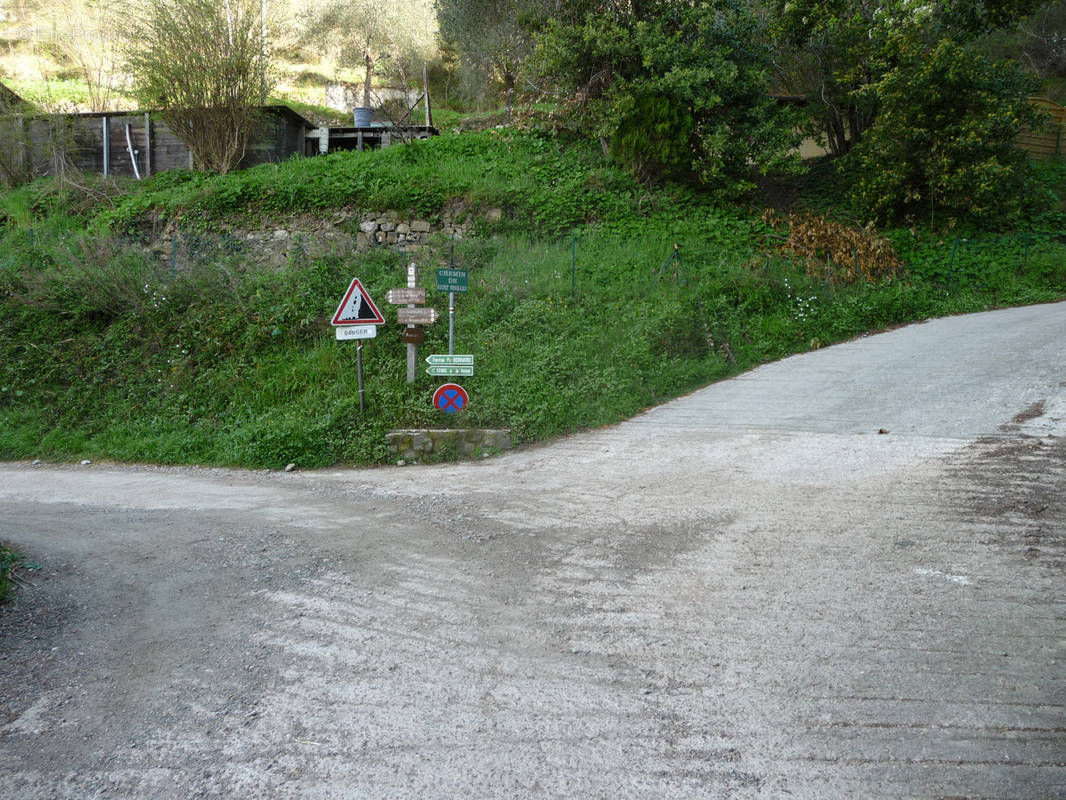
(676, 88)
(110, 352)
(944, 141)
(838, 51)
(934, 117)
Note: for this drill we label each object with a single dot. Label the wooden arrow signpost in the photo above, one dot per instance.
(416, 316)
(411, 316)
(400, 297)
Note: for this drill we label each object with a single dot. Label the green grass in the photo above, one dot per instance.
(545, 185)
(577, 314)
(10, 559)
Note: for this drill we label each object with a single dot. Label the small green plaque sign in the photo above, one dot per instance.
(452, 280)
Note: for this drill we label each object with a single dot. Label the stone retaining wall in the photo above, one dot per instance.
(345, 231)
(415, 444)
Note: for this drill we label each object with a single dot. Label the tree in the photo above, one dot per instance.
(944, 141)
(364, 33)
(494, 37)
(204, 66)
(671, 87)
(91, 44)
(837, 51)
(1039, 42)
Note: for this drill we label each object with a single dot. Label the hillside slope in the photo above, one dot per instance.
(185, 319)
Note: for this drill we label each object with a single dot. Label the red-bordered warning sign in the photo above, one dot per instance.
(357, 308)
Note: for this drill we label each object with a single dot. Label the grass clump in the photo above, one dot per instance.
(10, 560)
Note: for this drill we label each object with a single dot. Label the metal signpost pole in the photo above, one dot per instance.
(357, 317)
(359, 369)
(451, 304)
(451, 323)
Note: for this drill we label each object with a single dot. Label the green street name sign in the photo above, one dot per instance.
(450, 370)
(450, 361)
(452, 280)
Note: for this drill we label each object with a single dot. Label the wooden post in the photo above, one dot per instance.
(23, 145)
(425, 88)
(107, 146)
(147, 145)
(412, 349)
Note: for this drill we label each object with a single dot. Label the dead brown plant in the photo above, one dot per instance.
(836, 251)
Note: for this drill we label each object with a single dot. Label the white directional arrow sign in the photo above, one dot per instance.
(450, 370)
(450, 360)
(416, 316)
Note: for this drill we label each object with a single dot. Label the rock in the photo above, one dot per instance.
(387, 226)
(85, 462)
(494, 214)
(420, 226)
(403, 228)
(281, 233)
(290, 467)
(36, 462)
(369, 226)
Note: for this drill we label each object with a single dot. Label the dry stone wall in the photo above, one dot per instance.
(411, 445)
(355, 230)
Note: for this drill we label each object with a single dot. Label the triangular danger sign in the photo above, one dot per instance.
(357, 308)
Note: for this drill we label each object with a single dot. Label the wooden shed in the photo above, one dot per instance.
(137, 144)
(9, 99)
(1050, 142)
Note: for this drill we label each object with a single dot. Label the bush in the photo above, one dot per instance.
(943, 145)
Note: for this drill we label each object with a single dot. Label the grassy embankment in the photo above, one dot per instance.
(577, 315)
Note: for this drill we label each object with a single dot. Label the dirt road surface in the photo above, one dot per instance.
(750, 592)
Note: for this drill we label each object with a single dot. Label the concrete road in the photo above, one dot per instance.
(751, 592)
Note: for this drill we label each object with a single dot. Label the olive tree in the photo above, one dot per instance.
(366, 34)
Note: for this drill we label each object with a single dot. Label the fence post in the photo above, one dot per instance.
(107, 146)
(951, 264)
(573, 266)
(147, 145)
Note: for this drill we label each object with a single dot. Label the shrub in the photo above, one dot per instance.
(944, 144)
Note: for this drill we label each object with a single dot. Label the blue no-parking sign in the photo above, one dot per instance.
(450, 397)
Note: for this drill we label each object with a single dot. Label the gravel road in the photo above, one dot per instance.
(751, 592)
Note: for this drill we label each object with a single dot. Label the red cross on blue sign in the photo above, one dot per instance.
(450, 397)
